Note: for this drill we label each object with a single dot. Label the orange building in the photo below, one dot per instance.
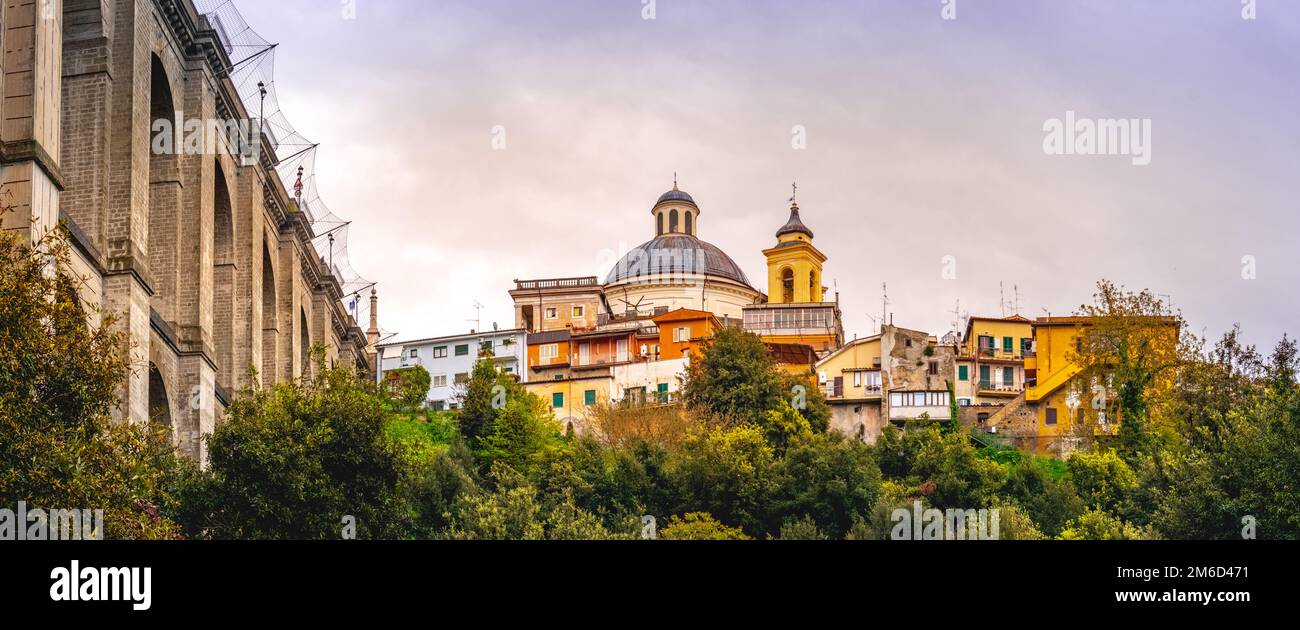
(684, 330)
(549, 355)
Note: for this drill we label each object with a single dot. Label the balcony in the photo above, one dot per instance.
(993, 388)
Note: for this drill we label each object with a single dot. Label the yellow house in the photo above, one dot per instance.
(991, 360)
(569, 398)
(851, 379)
(1056, 405)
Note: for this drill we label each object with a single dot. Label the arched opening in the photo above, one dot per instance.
(787, 285)
(812, 286)
(304, 345)
(270, 322)
(659, 224)
(672, 221)
(223, 280)
(690, 229)
(161, 106)
(164, 223)
(160, 409)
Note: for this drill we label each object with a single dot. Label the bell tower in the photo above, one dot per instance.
(794, 265)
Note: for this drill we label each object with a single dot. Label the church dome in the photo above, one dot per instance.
(675, 195)
(675, 254)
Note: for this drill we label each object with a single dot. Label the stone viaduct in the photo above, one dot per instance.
(204, 257)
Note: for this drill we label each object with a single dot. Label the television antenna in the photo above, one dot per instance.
(478, 313)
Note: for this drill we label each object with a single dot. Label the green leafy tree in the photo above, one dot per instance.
(729, 473)
(734, 377)
(58, 378)
(1232, 469)
(700, 526)
(410, 385)
(1103, 481)
(1130, 347)
(828, 478)
(291, 460)
(1047, 499)
(1099, 525)
(802, 529)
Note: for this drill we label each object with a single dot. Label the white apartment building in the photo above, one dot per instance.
(450, 360)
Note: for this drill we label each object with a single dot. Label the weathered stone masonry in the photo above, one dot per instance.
(204, 259)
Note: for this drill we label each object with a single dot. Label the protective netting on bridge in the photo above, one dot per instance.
(253, 74)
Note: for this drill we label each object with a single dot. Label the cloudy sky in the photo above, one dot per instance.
(924, 140)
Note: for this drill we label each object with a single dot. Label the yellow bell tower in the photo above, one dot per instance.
(794, 266)
(796, 311)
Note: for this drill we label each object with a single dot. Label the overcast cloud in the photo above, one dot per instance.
(924, 140)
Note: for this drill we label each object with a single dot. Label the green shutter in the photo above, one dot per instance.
(557, 399)
(1008, 344)
(589, 397)
(963, 372)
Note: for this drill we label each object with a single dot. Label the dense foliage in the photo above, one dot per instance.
(1215, 452)
(58, 382)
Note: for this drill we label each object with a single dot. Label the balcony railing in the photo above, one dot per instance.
(555, 283)
(991, 386)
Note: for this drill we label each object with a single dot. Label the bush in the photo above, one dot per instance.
(292, 460)
(700, 526)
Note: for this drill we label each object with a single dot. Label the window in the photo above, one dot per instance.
(1007, 343)
(985, 376)
(918, 399)
(934, 368)
(415, 354)
(485, 347)
(1026, 346)
(439, 405)
(663, 392)
(908, 343)
(682, 334)
(462, 378)
(986, 342)
(672, 220)
(440, 352)
(548, 352)
(689, 228)
(857, 379)
(552, 312)
(579, 311)
(1051, 415)
(963, 372)
(589, 397)
(440, 380)
(872, 380)
(1008, 377)
(557, 400)
(462, 350)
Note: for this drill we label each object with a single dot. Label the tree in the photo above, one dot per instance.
(479, 400)
(292, 460)
(729, 473)
(522, 433)
(1099, 525)
(1103, 481)
(1232, 467)
(58, 380)
(828, 478)
(734, 378)
(699, 526)
(1128, 348)
(410, 385)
